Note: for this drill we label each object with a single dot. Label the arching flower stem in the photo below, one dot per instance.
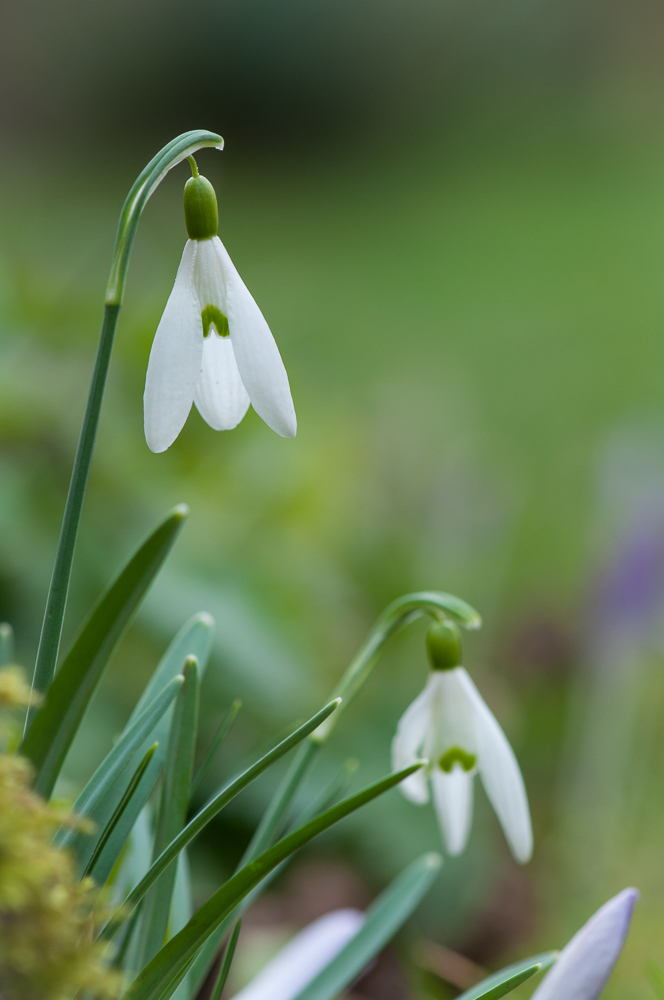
(144, 186)
(396, 615)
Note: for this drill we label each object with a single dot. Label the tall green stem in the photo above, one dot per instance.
(146, 183)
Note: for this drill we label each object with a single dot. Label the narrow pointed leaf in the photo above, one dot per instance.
(220, 736)
(133, 800)
(56, 723)
(174, 801)
(384, 918)
(208, 812)
(503, 982)
(112, 766)
(107, 833)
(226, 964)
(180, 950)
(193, 639)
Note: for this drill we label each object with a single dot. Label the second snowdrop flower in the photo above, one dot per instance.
(213, 346)
(450, 724)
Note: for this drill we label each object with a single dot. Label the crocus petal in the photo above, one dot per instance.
(453, 799)
(256, 353)
(407, 742)
(501, 776)
(586, 962)
(303, 957)
(175, 359)
(220, 397)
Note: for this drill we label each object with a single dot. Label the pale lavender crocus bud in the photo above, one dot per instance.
(587, 961)
(307, 954)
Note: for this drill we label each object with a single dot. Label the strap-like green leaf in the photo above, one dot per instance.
(208, 812)
(509, 978)
(56, 723)
(112, 766)
(174, 801)
(220, 736)
(193, 639)
(177, 954)
(107, 833)
(384, 918)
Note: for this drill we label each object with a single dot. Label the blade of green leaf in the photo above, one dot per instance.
(115, 762)
(384, 918)
(209, 811)
(174, 801)
(509, 978)
(193, 639)
(226, 964)
(124, 802)
(54, 726)
(143, 785)
(179, 951)
(181, 913)
(220, 736)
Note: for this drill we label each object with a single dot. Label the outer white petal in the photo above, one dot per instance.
(175, 359)
(586, 962)
(501, 776)
(220, 397)
(303, 957)
(256, 353)
(407, 743)
(453, 799)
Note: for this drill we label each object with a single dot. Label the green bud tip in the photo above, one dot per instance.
(201, 214)
(443, 645)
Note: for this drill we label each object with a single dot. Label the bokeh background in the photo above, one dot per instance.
(452, 215)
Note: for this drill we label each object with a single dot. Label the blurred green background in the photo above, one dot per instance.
(452, 215)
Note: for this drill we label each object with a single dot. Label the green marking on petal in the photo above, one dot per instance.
(212, 316)
(456, 755)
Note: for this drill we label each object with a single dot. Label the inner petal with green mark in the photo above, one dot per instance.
(212, 316)
(455, 755)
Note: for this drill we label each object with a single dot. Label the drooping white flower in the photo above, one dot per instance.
(586, 962)
(451, 726)
(213, 346)
(307, 954)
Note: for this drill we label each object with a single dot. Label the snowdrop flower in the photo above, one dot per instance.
(586, 962)
(213, 346)
(300, 961)
(450, 724)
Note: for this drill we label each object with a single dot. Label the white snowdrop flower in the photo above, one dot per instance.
(586, 962)
(213, 346)
(307, 954)
(451, 726)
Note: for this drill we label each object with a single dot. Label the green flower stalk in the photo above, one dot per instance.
(144, 186)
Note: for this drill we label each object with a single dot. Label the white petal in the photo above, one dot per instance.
(452, 715)
(220, 397)
(501, 776)
(303, 957)
(407, 743)
(586, 962)
(453, 799)
(256, 353)
(209, 276)
(175, 359)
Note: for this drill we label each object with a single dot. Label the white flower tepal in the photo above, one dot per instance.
(213, 346)
(450, 724)
(307, 954)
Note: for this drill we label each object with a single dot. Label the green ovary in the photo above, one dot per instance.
(456, 755)
(212, 316)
